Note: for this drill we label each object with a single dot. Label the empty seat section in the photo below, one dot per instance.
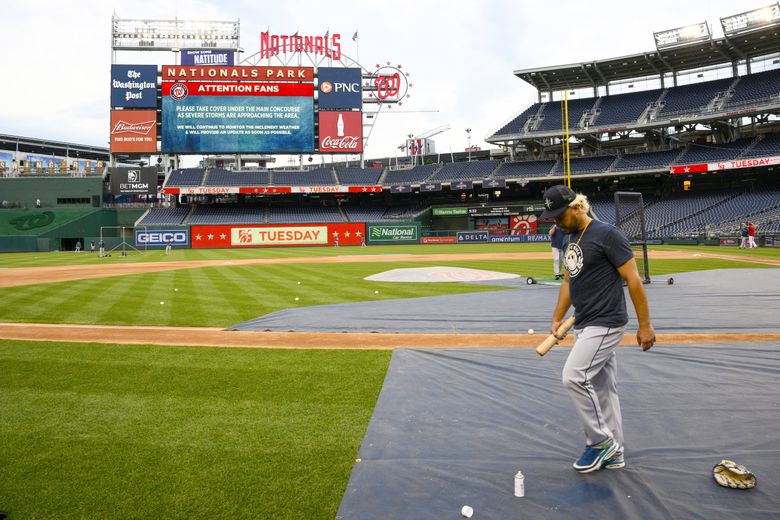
(553, 117)
(220, 177)
(185, 177)
(316, 177)
(646, 161)
(624, 108)
(711, 152)
(296, 214)
(358, 176)
(220, 214)
(465, 171)
(756, 87)
(413, 175)
(693, 97)
(515, 126)
(516, 170)
(164, 216)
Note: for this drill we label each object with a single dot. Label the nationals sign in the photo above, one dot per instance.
(341, 132)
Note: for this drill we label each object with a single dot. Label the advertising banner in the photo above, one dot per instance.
(221, 117)
(438, 240)
(449, 212)
(430, 186)
(526, 224)
(134, 180)
(494, 183)
(133, 131)
(519, 238)
(346, 234)
(472, 236)
(161, 237)
(404, 188)
(339, 88)
(206, 73)
(134, 86)
(494, 211)
(393, 233)
(725, 165)
(341, 132)
(462, 185)
(219, 57)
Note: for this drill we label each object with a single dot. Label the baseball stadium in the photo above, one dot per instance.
(357, 339)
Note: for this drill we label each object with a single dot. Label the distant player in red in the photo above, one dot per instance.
(751, 235)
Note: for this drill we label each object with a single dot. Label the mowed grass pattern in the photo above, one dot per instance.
(139, 432)
(228, 295)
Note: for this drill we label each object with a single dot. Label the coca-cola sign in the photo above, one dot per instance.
(133, 131)
(341, 132)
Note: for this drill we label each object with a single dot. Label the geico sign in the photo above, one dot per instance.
(161, 237)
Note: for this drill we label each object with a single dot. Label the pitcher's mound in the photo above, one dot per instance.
(439, 274)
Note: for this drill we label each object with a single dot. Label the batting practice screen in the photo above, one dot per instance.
(630, 218)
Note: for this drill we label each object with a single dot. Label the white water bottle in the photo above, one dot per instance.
(340, 127)
(519, 484)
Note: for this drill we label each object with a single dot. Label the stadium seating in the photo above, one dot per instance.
(646, 160)
(767, 146)
(596, 163)
(364, 214)
(694, 97)
(622, 109)
(225, 214)
(711, 152)
(553, 117)
(358, 176)
(219, 177)
(414, 175)
(315, 177)
(164, 216)
(185, 177)
(515, 126)
(524, 169)
(464, 171)
(297, 214)
(756, 87)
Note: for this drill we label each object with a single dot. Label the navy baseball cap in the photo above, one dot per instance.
(556, 200)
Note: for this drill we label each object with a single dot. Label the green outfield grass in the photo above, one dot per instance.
(228, 295)
(140, 432)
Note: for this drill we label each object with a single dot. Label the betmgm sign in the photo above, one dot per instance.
(128, 181)
(161, 237)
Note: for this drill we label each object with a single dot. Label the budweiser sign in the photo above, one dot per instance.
(142, 128)
(133, 131)
(341, 132)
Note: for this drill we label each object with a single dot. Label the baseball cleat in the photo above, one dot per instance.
(594, 456)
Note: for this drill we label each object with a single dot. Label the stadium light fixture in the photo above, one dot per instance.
(165, 35)
(682, 36)
(751, 20)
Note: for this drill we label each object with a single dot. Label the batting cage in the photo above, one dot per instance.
(630, 218)
(120, 241)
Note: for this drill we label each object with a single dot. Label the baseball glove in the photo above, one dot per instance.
(728, 473)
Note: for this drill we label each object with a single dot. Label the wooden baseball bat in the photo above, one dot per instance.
(553, 339)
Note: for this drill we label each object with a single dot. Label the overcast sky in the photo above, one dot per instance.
(56, 55)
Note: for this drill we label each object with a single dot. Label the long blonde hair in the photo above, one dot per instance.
(581, 201)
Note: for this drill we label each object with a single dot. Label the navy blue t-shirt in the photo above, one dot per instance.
(558, 239)
(595, 285)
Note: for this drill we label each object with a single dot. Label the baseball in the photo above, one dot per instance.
(296, 298)
(530, 331)
(162, 303)
(376, 292)
(467, 511)
(176, 290)
(299, 283)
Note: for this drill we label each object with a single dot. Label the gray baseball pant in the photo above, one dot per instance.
(590, 377)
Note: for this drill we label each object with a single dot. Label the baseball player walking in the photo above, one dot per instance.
(598, 260)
